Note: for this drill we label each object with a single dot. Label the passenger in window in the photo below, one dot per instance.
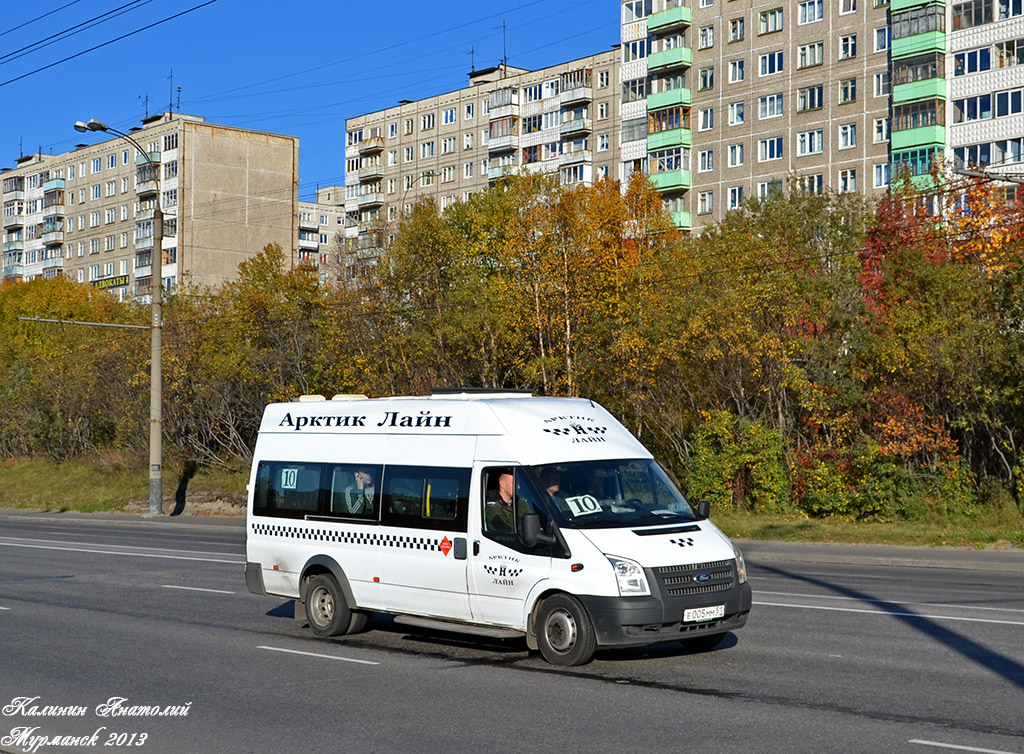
(552, 481)
(499, 509)
(359, 497)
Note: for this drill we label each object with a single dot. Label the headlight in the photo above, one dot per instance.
(741, 566)
(630, 576)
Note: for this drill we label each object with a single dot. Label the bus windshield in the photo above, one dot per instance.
(606, 494)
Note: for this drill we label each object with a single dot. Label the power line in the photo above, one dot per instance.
(109, 42)
(39, 18)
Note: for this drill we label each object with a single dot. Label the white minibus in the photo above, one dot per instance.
(495, 514)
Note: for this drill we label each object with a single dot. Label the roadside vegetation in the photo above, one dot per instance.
(816, 367)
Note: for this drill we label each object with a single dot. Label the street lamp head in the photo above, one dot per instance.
(92, 125)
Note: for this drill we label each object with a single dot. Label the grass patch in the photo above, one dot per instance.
(987, 528)
(98, 488)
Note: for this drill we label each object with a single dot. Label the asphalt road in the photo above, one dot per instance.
(846, 650)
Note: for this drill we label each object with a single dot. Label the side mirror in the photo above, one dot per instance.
(703, 509)
(530, 531)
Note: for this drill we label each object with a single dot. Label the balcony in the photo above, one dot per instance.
(14, 246)
(13, 271)
(369, 173)
(15, 193)
(503, 143)
(677, 57)
(918, 44)
(671, 180)
(372, 145)
(311, 244)
(577, 96)
(144, 244)
(14, 221)
(52, 237)
(919, 90)
(577, 156)
(671, 98)
(576, 126)
(913, 138)
(308, 223)
(682, 220)
(56, 183)
(677, 137)
(668, 20)
(373, 199)
(500, 171)
(53, 262)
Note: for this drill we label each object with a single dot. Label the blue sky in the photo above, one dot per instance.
(299, 68)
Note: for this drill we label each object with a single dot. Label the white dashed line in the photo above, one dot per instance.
(892, 613)
(313, 654)
(195, 589)
(959, 748)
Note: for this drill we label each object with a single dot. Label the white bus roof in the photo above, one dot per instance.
(509, 425)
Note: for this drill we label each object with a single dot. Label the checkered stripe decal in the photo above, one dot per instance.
(349, 537)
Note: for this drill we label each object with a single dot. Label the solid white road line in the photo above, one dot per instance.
(195, 589)
(115, 552)
(959, 748)
(901, 602)
(314, 654)
(892, 613)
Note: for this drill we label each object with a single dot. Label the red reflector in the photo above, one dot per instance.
(576, 567)
(275, 568)
(376, 579)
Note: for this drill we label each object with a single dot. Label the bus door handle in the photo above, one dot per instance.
(476, 546)
(459, 549)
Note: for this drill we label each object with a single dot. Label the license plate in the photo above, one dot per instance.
(698, 614)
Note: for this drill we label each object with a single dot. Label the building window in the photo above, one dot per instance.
(426, 122)
(847, 6)
(810, 11)
(810, 55)
(736, 30)
(705, 37)
(847, 135)
(735, 71)
(882, 173)
(705, 203)
(809, 142)
(881, 82)
(847, 181)
(811, 184)
(769, 149)
(881, 129)
(634, 10)
(770, 21)
(770, 106)
(392, 130)
(771, 63)
(602, 110)
(467, 113)
(847, 91)
(706, 119)
(735, 197)
(735, 113)
(882, 39)
(410, 155)
(706, 79)
(735, 155)
(448, 116)
(848, 47)
(809, 98)
(765, 189)
(603, 79)
(706, 161)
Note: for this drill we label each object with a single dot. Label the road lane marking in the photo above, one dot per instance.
(195, 589)
(5, 608)
(314, 654)
(175, 550)
(959, 748)
(115, 552)
(893, 613)
(859, 599)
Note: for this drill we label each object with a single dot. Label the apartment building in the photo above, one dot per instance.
(225, 193)
(741, 96)
(321, 225)
(562, 119)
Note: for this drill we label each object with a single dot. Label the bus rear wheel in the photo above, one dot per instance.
(326, 609)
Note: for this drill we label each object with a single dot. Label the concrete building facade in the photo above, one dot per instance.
(88, 214)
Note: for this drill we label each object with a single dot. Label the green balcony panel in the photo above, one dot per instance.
(919, 44)
(682, 220)
(919, 90)
(896, 6)
(914, 138)
(671, 180)
(677, 137)
(677, 57)
(671, 98)
(664, 20)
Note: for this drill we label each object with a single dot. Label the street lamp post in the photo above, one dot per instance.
(156, 329)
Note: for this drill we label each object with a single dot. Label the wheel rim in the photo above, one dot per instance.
(560, 630)
(321, 606)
